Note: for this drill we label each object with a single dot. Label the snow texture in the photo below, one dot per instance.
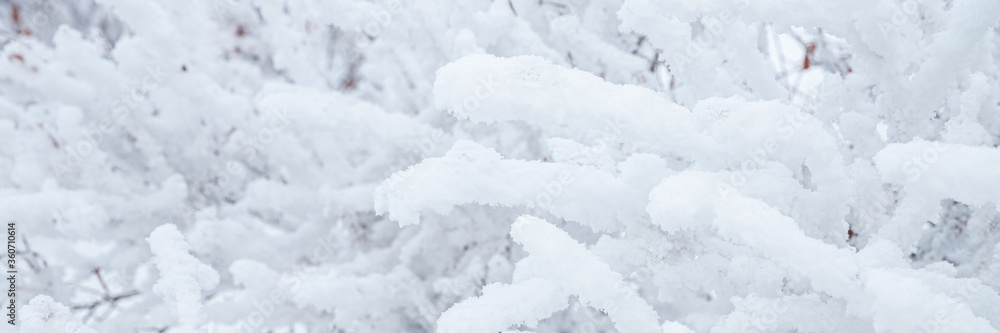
(371, 166)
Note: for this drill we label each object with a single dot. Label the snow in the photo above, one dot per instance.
(502, 166)
(932, 171)
(554, 255)
(474, 174)
(45, 315)
(487, 89)
(546, 297)
(182, 276)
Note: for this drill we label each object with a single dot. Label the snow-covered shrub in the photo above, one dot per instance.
(770, 210)
(484, 166)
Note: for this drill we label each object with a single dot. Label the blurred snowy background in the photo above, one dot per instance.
(512, 165)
